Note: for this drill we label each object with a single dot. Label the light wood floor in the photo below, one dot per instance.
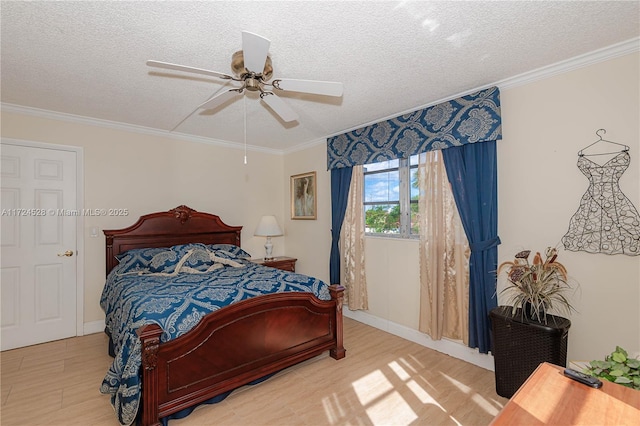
(384, 380)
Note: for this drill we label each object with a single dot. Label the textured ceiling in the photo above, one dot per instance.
(88, 58)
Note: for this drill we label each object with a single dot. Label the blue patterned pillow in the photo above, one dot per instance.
(164, 262)
(229, 251)
(182, 249)
(137, 259)
(200, 260)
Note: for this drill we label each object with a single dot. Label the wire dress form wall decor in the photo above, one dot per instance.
(606, 221)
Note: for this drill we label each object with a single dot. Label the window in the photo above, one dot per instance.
(391, 197)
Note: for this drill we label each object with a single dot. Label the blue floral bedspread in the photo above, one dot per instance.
(144, 289)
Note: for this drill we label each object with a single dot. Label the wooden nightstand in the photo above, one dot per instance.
(281, 262)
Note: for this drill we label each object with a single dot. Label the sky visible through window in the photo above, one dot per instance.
(381, 187)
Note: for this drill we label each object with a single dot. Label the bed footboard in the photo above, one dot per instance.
(234, 346)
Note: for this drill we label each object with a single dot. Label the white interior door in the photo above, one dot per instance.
(38, 245)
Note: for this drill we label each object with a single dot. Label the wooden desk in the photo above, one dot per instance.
(550, 398)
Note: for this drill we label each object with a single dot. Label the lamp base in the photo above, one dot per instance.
(268, 247)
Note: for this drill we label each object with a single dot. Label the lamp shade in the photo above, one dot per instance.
(268, 227)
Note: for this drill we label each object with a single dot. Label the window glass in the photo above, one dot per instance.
(414, 195)
(382, 165)
(382, 186)
(382, 218)
(391, 197)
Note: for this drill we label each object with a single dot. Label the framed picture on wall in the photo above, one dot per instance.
(304, 201)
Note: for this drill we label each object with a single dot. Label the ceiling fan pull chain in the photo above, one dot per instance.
(244, 103)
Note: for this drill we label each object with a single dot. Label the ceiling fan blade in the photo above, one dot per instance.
(328, 88)
(176, 67)
(255, 49)
(279, 107)
(217, 100)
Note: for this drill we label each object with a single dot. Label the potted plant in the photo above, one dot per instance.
(537, 287)
(617, 368)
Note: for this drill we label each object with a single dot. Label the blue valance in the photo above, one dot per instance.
(468, 119)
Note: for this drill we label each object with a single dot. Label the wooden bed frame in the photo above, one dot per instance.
(232, 346)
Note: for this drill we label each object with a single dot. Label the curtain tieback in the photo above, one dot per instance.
(484, 245)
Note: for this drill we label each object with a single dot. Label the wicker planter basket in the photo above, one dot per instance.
(519, 345)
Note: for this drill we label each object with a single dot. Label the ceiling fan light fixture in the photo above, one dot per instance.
(237, 66)
(252, 84)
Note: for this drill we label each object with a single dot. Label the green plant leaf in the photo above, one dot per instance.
(633, 363)
(618, 368)
(618, 356)
(622, 351)
(600, 364)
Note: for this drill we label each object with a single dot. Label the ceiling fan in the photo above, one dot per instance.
(252, 68)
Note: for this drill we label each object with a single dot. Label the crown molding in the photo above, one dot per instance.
(114, 125)
(581, 61)
(596, 56)
(305, 145)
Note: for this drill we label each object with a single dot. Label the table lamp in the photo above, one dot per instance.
(268, 227)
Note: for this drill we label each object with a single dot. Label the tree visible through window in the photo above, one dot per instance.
(391, 197)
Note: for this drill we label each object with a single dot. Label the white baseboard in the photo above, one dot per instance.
(93, 327)
(449, 347)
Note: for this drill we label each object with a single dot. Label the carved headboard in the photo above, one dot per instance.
(181, 225)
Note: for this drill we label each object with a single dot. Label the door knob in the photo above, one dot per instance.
(67, 253)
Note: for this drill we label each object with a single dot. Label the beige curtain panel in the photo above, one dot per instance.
(444, 255)
(352, 245)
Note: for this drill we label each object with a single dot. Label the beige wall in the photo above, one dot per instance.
(309, 240)
(545, 124)
(145, 173)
